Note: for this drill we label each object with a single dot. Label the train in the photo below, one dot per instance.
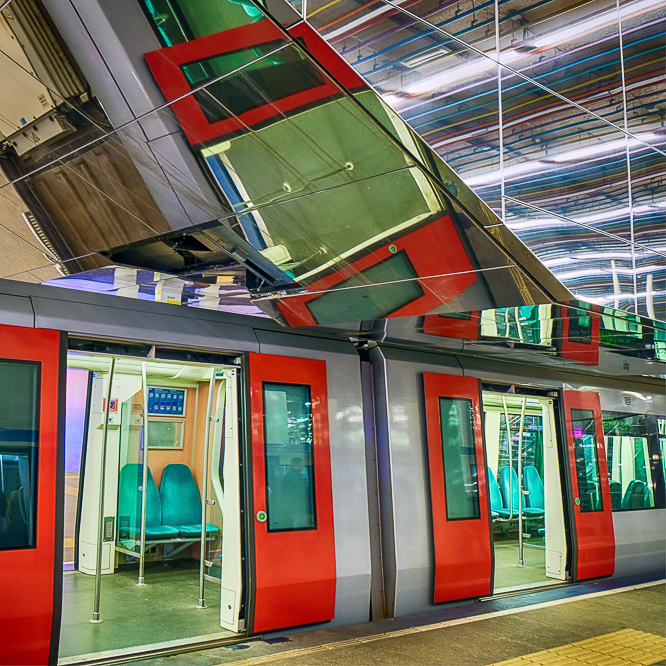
(175, 477)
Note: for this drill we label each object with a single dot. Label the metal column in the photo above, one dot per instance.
(204, 489)
(144, 478)
(100, 514)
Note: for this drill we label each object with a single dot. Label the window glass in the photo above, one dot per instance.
(165, 434)
(19, 433)
(587, 460)
(580, 329)
(391, 285)
(628, 460)
(178, 21)
(662, 442)
(459, 457)
(274, 77)
(290, 497)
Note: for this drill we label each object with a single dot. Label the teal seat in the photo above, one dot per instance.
(616, 495)
(497, 509)
(634, 496)
(181, 502)
(507, 476)
(534, 485)
(129, 506)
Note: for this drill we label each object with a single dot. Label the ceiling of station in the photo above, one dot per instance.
(578, 179)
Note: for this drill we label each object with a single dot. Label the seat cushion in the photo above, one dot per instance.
(156, 532)
(194, 531)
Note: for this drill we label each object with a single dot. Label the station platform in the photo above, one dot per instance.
(612, 622)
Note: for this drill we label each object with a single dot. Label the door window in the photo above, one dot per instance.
(288, 440)
(587, 461)
(459, 458)
(19, 433)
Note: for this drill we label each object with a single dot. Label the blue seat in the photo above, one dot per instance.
(497, 509)
(181, 502)
(507, 475)
(534, 485)
(129, 506)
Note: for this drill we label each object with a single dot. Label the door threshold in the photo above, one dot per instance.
(163, 649)
(525, 589)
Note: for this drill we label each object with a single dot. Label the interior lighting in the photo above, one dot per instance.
(583, 27)
(462, 72)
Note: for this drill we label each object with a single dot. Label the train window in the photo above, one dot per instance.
(178, 21)
(276, 76)
(459, 458)
(290, 495)
(587, 460)
(662, 442)
(19, 433)
(629, 472)
(580, 328)
(391, 285)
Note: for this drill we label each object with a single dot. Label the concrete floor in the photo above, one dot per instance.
(162, 610)
(474, 634)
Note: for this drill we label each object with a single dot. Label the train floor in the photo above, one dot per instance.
(163, 611)
(611, 622)
(509, 575)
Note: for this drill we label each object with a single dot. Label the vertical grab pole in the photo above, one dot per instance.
(204, 489)
(100, 513)
(521, 555)
(144, 478)
(510, 447)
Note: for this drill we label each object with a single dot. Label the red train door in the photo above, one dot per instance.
(594, 548)
(32, 371)
(293, 503)
(458, 487)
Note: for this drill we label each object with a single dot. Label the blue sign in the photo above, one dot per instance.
(166, 402)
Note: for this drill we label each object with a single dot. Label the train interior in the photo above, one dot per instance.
(171, 429)
(525, 491)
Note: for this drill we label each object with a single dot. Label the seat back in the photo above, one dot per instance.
(534, 485)
(129, 499)
(616, 495)
(181, 501)
(634, 496)
(507, 476)
(496, 502)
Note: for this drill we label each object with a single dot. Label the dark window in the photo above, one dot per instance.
(587, 460)
(580, 330)
(19, 437)
(461, 481)
(288, 437)
(391, 285)
(272, 78)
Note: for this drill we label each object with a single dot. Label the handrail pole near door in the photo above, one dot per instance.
(521, 555)
(100, 513)
(510, 447)
(144, 478)
(204, 489)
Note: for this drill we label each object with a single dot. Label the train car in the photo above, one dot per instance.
(174, 476)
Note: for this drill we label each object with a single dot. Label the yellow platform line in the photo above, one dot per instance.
(301, 652)
(627, 647)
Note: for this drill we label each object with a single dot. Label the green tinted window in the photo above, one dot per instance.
(628, 461)
(274, 77)
(385, 293)
(587, 460)
(459, 458)
(178, 21)
(290, 494)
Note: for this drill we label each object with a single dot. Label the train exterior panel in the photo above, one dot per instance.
(384, 481)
